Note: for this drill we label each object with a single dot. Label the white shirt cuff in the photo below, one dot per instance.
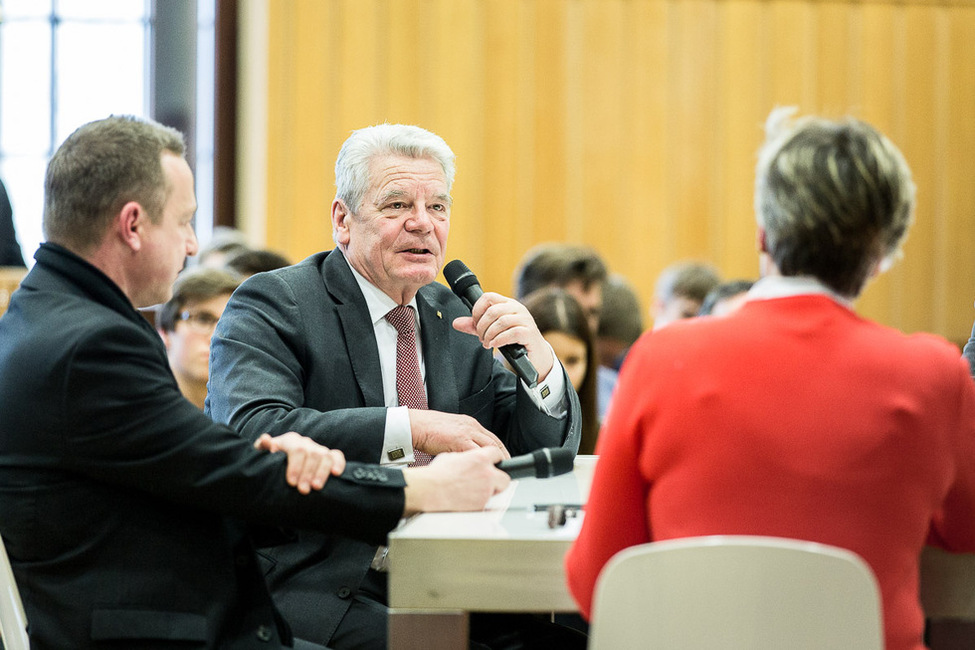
(397, 437)
(549, 395)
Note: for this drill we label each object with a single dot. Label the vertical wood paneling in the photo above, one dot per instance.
(693, 105)
(630, 125)
(604, 80)
(644, 220)
(914, 309)
(879, 104)
(550, 198)
(745, 101)
(959, 161)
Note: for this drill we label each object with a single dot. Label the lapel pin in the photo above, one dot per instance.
(439, 315)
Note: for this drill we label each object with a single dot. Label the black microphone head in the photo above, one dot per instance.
(553, 461)
(459, 277)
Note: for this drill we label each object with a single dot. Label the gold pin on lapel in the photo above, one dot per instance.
(439, 315)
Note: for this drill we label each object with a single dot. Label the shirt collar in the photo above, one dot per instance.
(379, 303)
(779, 286)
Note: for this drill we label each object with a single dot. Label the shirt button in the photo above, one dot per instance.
(344, 593)
(264, 633)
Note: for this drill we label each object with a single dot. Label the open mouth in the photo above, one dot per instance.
(417, 251)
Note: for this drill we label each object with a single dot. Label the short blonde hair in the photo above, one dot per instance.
(834, 198)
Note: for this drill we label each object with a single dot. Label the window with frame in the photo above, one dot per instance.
(66, 62)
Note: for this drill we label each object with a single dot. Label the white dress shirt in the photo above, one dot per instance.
(398, 436)
(781, 286)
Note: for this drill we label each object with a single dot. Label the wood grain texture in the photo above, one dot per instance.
(630, 125)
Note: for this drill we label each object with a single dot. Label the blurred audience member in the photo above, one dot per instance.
(10, 253)
(248, 262)
(577, 269)
(186, 324)
(224, 243)
(725, 298)
(680, 290)
(562, 322)
(620, 325)
(581, 272)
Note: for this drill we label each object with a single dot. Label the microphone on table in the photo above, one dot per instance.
(541, 463)
(464, 283)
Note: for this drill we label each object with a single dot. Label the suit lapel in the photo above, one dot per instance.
(357, 330)
(435, 338)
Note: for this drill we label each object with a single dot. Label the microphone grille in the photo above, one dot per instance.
(553, 461)
(562, 460)
(458, 276)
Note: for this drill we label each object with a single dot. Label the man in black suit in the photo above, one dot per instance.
(309, 348)
(119, 500)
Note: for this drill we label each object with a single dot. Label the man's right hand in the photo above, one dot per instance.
(436, 432)
(455, 482)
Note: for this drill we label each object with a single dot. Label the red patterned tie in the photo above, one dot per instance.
(409, 383)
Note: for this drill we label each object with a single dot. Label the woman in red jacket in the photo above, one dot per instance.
(793, 416)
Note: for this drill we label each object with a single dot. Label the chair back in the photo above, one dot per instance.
(736, 593)
(13, 621)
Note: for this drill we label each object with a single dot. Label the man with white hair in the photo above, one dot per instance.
(360, 349)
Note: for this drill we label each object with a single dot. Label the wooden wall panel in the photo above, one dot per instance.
(630, 125)
(958, 197)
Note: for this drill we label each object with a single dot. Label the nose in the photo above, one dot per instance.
(419, 219)
(192, 245)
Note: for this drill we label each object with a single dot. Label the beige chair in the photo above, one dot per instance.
(736, 593)
(13, 621)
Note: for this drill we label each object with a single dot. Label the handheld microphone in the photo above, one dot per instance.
(464, 283)
(541, 463)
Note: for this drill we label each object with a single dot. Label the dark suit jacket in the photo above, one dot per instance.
(10, 254)
(114, 489)
(296, 349)
(969, 352)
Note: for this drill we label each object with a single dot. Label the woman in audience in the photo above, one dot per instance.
(563, 323)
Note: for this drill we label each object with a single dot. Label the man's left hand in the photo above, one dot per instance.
(309, 463)
(499, 321)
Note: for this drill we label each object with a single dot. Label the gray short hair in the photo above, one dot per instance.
(98, 169)
(834, 197)
(687, 279)
(352, 164)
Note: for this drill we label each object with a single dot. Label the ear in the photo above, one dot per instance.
(165, 337)
(760, 240)
(130, 224)
(340, 222)
(657, 307)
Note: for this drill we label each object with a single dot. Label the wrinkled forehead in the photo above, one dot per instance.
(398, 173)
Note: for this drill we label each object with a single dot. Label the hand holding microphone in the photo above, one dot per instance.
(464, 283)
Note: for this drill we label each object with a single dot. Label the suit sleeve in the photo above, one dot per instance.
(131, 427)
(261, 364)
(537, 429)
(616, 510)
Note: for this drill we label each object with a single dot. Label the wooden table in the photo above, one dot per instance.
(504, 559)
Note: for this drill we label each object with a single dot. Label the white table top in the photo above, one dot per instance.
(505, 558)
